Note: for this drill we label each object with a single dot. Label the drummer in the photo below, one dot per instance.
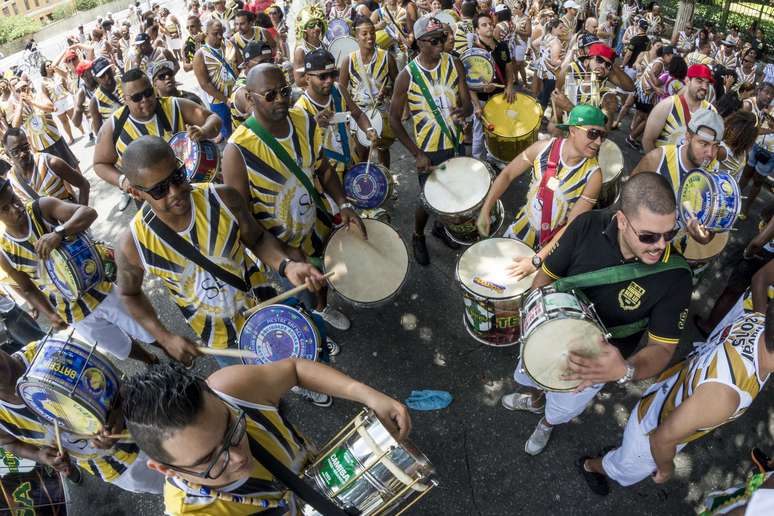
(760, 160)
(212, 307)
(436, 137)
(109, 95)
(366, 79)
(655, 304)
(162, 74)
(571, 187)
(32, 230)
(199, 433)
(246, 32)
(38, 174)
(26, 435)
(253, 54)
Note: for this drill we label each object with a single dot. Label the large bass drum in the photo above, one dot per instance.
(510, 128)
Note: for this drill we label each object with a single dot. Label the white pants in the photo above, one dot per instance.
(632, 461)
(110, 327)
(561, 407)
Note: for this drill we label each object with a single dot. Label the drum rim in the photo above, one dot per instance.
(299, 310)
(500, 207)
(62, 253)
(467, 211)
(618, 153)
(367, 304)
(532, 133)
(22, 385)
(466, 288)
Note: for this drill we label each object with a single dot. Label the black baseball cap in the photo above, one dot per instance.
(256, 49)
(319, 60)
(141, 38)
(100, 66)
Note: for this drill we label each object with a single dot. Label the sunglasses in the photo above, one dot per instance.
(326, 75)
(436, 40)
(177, 177)
(163, 76)
(648, 237)
(145, 94)
(18, 151)
(270, 95)
(607, 64)
(314, 25)
(593, 134)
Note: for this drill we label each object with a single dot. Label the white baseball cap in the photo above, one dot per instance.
(571, 4)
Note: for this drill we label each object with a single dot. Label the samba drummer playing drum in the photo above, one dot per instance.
(623, 263)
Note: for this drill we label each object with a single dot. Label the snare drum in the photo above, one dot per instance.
(511, 128)
(75, 267)
(277, 332)
(611, 163)
(366, 469)
(712, 197)
(341, 47)
(337, 28)
(34, 493)
(368, 272)
(553, 324)
(201, 159)
(71, 384)
(479, 67)
(493, 298)
(368, 185)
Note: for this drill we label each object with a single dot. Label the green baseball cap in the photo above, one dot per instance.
(584, 114)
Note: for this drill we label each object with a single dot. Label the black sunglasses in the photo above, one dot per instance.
(164, 76)
(333, 74)
(593, 134)
(145, 94)
(436, 40)
(270, 95)
(177, 177)
(607, 64)
(648, 237)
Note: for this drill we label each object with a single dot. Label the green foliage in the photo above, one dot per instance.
(85, 5)
(15, 27)
(62, 12)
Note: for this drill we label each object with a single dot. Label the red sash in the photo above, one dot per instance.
(686, 109)
(545, 194)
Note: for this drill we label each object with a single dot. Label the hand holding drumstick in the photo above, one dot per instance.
(696, 230)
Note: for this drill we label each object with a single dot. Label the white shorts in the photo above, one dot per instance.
(561, 407)
(631, 72)
(64, 105)
(110, 326)
(519, 52)
(175, 43)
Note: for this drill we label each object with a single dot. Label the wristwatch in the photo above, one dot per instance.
(537, 261)
(60, 230)
(283, 265)
(628, 375)
(346, 205)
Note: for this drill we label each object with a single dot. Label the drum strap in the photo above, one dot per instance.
(417, 76)
(686, 109)
(267, 138)
(37, 218)
(184, 247)
(545, 193)
(618, 274)
(26, 187)
(346, 156)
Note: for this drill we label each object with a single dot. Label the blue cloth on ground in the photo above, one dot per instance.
(428, 400)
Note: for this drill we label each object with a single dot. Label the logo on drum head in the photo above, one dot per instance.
(488, 284)
(94, 380)
(90, 267)
(630, 297)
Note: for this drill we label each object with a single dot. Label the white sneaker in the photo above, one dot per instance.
(317, 398)
(333, 317)
(539, 438)
(521, 401)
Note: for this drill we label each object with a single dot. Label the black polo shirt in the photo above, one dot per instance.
(591, 243)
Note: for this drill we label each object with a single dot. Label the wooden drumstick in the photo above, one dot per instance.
(122, 435)
(58, 437)
(283, 296)
(236, 353)
(687, 206)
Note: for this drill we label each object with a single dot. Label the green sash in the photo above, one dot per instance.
(618, 274)
(417, 76)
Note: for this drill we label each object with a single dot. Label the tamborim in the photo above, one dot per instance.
(611, 162)
(479, 67)
(493, 298)
(75, 266)
(201, 159)
(511, 128)
(277, 332)
(341, 47)
(367, 185)
(712, 197)
(698, 255)
(71, 384)
(368, 272)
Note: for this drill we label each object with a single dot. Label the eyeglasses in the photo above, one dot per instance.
(145, 94)
(233, 437)
(17, 151)
(177, 177)
(333, 74)
(593, 134)
(270, 95)
(648, 237)
(436, 40)
(607, 64)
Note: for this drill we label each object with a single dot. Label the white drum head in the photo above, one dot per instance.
(457, 185)
(367, 271)
(547, 349)
(611, 161)
(342, 47)
(375, 117)
(482, 268)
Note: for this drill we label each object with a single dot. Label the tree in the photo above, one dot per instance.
(684, 15)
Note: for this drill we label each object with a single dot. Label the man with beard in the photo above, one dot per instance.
(603, 252)
(215, 76)
(193, 42)
(247, 32)
(162, 73)
(668, 121)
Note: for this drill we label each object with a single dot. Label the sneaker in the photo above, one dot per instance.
(440, 233)
(332, 347)
(521, 401)
(92, 140)
(596, 481)
(539, 439)
(124, 202)
(316, 398)
(333, 317)
(421, 255)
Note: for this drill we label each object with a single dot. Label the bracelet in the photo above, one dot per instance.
(283, 265)
(346, 205)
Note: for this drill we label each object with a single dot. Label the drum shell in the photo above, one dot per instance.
(504, 318)
(466, 233)
(305, 343)
(719, 201)
(79, 258)
(201, 158)
(44, 492)
(503, 146)
(384, 40)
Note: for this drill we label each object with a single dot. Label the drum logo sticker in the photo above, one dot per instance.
(94, 380)
(489, 284)
(337, 468)
(21, 495)
(630, 297)
(90, 267)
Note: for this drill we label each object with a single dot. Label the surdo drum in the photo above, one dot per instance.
(511, 128)
(611, 162)
(341, 47)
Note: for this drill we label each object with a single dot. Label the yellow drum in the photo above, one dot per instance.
(511, 128)
(383, 40)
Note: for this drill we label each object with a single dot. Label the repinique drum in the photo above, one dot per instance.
(553, 324)
(34, 493)
(455, 192)
(341, 47)
(611, 162)
(367, 272)
(71, 384)
(364, 469)
(201, 159)
(277, 332)
(511, 128)
(493, 298)
(75, 266)
(368, 185)
(479, 67)
(386, 37)
(337, 28)
(712, 197)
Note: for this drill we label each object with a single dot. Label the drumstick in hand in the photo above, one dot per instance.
(236, 353)
(281, 297)
(687, 206)
(58, 437)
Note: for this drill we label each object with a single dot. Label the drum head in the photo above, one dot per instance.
(545, 352)
(375, 117)
(186, 151)
(479, 69)
(278, 332)
(57, 406)
(336, 29)
(696, 196)
(342, 47)
(367, 185)
(610, 161)
(457, 185)
(514, 120)
(61, 274)
(696, 252)
(482, 268)
(367, 271)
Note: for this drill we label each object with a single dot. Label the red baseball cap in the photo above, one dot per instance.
(82, 68)
(700, 71)
(70, 54)
(603, 51)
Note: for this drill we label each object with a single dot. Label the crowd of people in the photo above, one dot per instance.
(292, 99)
